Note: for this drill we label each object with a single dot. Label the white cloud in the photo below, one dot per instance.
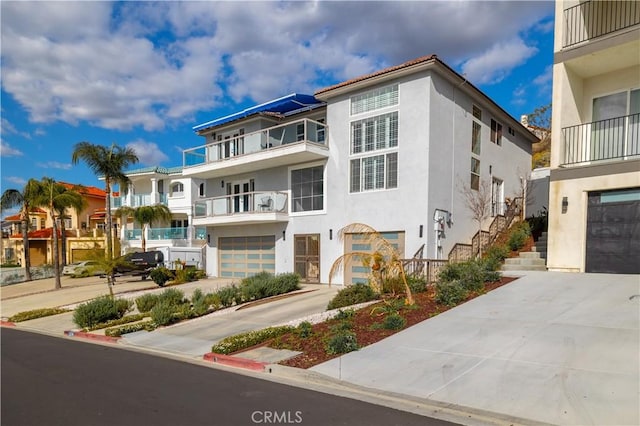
(495, 64)
(15, 179)
(148, 152)
(545, 78)
(7, 150)
(54, 165)
(141, 64)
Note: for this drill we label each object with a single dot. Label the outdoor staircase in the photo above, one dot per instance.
(534, 260)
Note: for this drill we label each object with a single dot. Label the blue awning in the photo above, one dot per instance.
(286, 105)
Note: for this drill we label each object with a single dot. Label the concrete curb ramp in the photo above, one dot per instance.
(91, 336)
(234, 361)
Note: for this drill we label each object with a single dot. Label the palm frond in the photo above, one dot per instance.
(339, 264)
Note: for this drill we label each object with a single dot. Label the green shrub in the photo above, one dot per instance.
(265, 284)
(494, 257)
(450, 293)
(245, 340)
(213, 300)
(112, 323)
(417, 284)
(469, 274)
(342, 342)
(185, 311)
(227, 295)
(171, 296)
(392, 306)
(394, 322)
(518, 235)
(37, 313)
(161, 275)
(345, 314)
(130, 328)
(393, 285)
(185, 275)
(304, 329)
(200, 307)
(146, 302)
(99, 310)
(342, 326)
(163, 313)
(357, 293)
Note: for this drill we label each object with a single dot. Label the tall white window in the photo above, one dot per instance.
(374, 99)
(374, 133)
(616, 125)
(307, 189)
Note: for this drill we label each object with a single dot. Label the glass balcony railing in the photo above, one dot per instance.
(133, 234)
(592, 19)
(614, 139)
(244, 203)
(137, 200)
(304, 130)
(168, 233)
(201, 234)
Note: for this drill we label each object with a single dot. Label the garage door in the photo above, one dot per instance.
(613, 232)
(355, 272)
(241, 257)
(37, 252)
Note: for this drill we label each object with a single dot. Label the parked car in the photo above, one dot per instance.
(141, 263)
(83, 268)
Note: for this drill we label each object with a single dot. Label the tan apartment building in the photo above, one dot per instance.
(594, 196)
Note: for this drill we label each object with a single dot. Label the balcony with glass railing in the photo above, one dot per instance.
(592, 19)
(247, 207)
(616, 139)
(137, 200)
(178, 233)
(298, 141)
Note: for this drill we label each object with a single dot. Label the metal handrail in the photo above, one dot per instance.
(242, 203)
(592, 19)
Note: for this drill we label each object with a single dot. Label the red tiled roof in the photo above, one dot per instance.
(16, 217)
(377, 73)
(44, 233)
(91, 191)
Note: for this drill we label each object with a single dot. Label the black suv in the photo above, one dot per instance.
(140, 263)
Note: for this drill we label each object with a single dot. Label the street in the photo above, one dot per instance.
(54, 381)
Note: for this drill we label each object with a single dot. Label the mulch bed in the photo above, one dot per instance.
(364, 321)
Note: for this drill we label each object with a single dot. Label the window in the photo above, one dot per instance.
(201, 190)
(475, 137)
(307, 189)
(496, 132)
(179, 223)
(34, 223)
(376, 172)
(477, 112)
(512, 131)
(612, 132)
(67, 223)
(177, 188)
(374, 99)
(42, 223)
(374, 133)
(475, 173)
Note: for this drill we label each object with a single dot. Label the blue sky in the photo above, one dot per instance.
(142, 74)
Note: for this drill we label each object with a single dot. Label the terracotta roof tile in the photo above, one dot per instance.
(44, 233)
(86, 190)
(377, 73)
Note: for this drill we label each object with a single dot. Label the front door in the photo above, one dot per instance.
(307, 257)
(241, 193)
(497, 197)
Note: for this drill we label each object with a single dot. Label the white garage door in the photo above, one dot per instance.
(241, 257)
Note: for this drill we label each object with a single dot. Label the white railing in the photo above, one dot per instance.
(300, 131)
(137, 200)
(247, 202)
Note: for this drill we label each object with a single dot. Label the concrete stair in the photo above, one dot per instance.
(534, 260)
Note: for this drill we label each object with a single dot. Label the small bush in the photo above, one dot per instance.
(394, 322)
(100, 310)
(227, 295)
(185, 275)
(417, 284)
(304, 329)
(130, 328)
(342, 342)
(200, 307)
(213, 300)
(163, 313)
(357, 293)
(161, 275)
(450, 293)
(171, 296)
(342, 326)
(393, 285)
(345, 314)
(245, 340)
(146, 302)
(37, 313)
(124, 320)
(265, 284)
(469, 274)
(518, 235)
(494, 257)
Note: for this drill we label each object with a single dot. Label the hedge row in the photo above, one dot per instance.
(241, 341)
(37, 313)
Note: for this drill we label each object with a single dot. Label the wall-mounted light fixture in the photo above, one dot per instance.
(565, 204)
(284, 235)
(208, 238)
(221, 184)
(331, 234)
(421, 227)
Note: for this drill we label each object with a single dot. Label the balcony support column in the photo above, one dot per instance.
(154, 191)
(190, 228)
(129, 196)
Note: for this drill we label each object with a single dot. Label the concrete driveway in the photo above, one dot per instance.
(196, 337)
(550, 347)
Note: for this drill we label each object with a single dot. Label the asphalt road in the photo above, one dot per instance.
(53, 381)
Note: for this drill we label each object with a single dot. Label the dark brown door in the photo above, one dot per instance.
(307, 257)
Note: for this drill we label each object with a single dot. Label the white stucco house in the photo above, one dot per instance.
(594, 195)
(272, 185)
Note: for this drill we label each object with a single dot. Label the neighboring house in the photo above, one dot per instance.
(84, 231)
(594, 199)
(179, 239)
(392, 149)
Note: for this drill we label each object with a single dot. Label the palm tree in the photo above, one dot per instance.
(110, 163)
(55, 197)
(145, 215)
(384, 259)
(13, 198)
(79, 204)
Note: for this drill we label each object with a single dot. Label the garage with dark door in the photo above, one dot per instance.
(613, 232)
(242, 257)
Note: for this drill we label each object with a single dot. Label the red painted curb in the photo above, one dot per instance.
(7, 324)
(91, 336)
(235, 361)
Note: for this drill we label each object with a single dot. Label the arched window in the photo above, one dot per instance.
(177, 188)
